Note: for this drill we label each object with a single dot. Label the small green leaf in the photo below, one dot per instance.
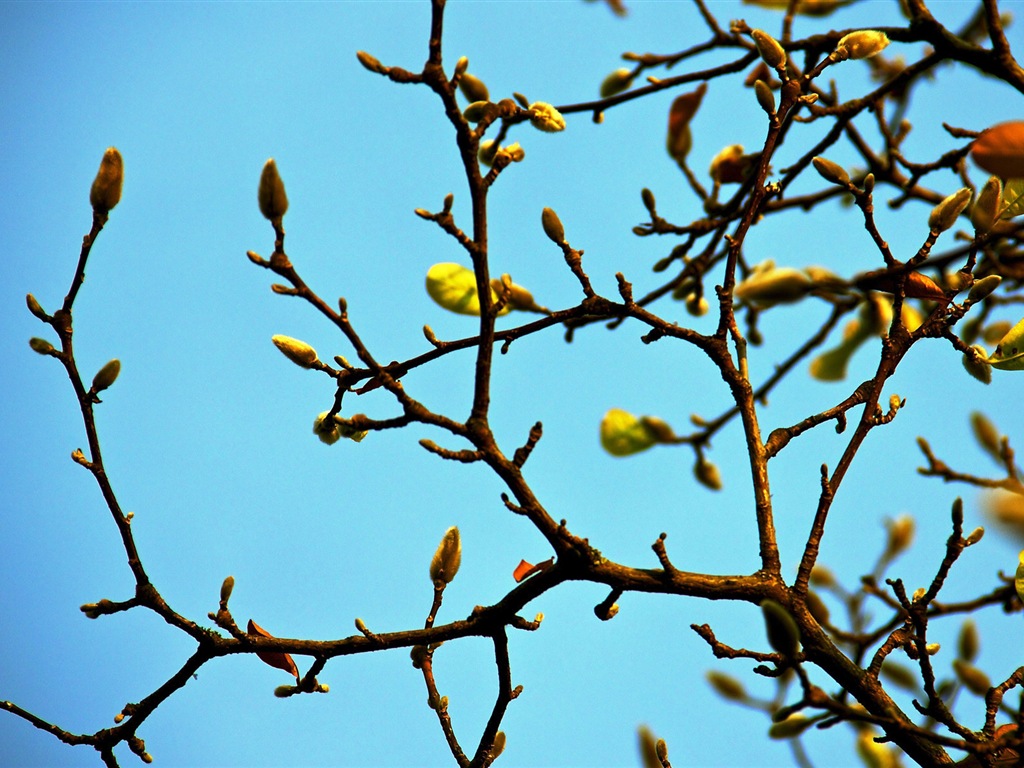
(623, 434)
(454, 288)
(1013, 198)
(1009, 354)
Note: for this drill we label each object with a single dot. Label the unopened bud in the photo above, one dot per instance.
(445, 563)
(461, 66)
(974, 679)
(862, 44)
(769, 48)
(42, 346)
(617, 82)
(982, 288)
(792, 726)
(552, 226)
(707, 474)
(765, 97)
(473, 88)
(106, 187)
(488, 149)
(986, 207)
(945, 214)
(967, 643)
(976, 364)
(34, 307)
(780, 626)
(974, 536)
(901, 534)
(478, 111)
(370, 62)
(726, 686)
(831, 171)
(271, 195)
(106, 375)
(226, 587)
(327, 430)
(499, 744)
(545, 117)
(299, 352)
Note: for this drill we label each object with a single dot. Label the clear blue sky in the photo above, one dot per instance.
(207, 434)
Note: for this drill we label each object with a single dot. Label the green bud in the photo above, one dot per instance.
(552, 226)
(968, 643)
(623, 434)
(780, 626)
(299, 352)
(869, 183)
(769, 48)
(726, 686)
(974, 536)
(831, 171)
(945, 214)
(987, 435)
(477, 111)
(974, 679)
(473, 88)
(544, 117)
(792, 726)
(226, 588)
(42, 346)
(986, 208)
(461, 66)
(445, 563)
(977, 365)
(707, 474)
(271, 195)
(765, 97)
(106, 187)
(617, 82)
(327, 431)
(34, 307)
(106, 375)
(816, 607)
(862, 44)
(982, 288)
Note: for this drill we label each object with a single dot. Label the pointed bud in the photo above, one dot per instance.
(945, 214)
(488, 149)
(968, 642)
(987, 435)
(445, 563)
(478, 111)
(707, 474)
(42, 346)
(461, 66)
(974, 536)
(106, 375)
(901, 534)
(769, 48)
(552, 226)
(544, 117)
(831, 171)
(299, 352)
(765, 97)
(617, 82)
(370, 62)
(783, 633)
(816, 607)
(792, 726)
(473, 88)
(271, 195)
(726, 686)
(106, 188)
(974, 679)
(977, 365)
(326, 430)
(226, 588)
(34, 307)
(862, 44)
(982, 288)
(986, 208)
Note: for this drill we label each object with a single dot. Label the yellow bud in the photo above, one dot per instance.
(765, 97)
(34, 307)
(974, 536)
(977, 365)
(299, 352)
(623, 434)
(726, 686)
(771, 286)
(106, 375)
(327, 431)
(861, 44)
(831, 171)
(792, 726)
(552, 226)
(901, 534)
(769, 48)
(370, 62)
(488, 149)
(499, 744)
(445, 563)
(478, 110)
(271, 195)
(986, 207)
(545, 117)
(106, 188)
(987, 435)
(617, 82)
(707, 474)
(473, 88)
(945, 214)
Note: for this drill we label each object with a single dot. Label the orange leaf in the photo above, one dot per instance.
(276, 659)
(525, 569)
(1000, 150)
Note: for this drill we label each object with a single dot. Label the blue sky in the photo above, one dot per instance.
(207, 433)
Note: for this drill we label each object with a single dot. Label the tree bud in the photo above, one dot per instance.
(765, 97)
(106, 375)
(967, 643)
(499, 744)
(780, 626)
(987, 435)
(461, 66)
(473, 88)
(773, 285)
(106, 187)
(488, 149)
(34, 307)
(707, 474)
(271, 195)
(42, 346)
(552, 226)
(370, 62)
(974, 679)
(862, 44)
(769, 48)
(831, 171)
(945, 214)
(974, 536)
(726, 686)
(901, 534)
(1000, 150)
(299, 352)
(977, 365)
(445, 563)
(226, 588)
(545, 117)
(982, 288)
(617, 82)
(792, 726)
(478, 110)
(623, 434)
(985, 211)
(327, 431)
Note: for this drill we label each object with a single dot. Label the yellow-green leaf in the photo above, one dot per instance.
(454, 288)
(1009, 354)
(623, 434)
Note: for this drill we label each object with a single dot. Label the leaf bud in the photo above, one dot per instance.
(552, 226)
(792, 726)
(697, 305)
(445, 563)
(982, 288)
(831, 171)
(226, 589)
(544, 117)
(869, 183)
(473, 88)
(106, 187)
(974, 536)
(461, 66)
(34, 307)
(645, 195)
(974, 679)
(617, 82)
(478, 111)
(42, 346)
(370, 62)
(327, 431)
(299, 352)
(707, 474)
(862, 44)
(816, 607)
(977, 365)
(769, 48)
(499, 745)
(985, 211)
(967, 643)
(987, 435)
(932, 648)
(780, 626)
(106, 375)
(901, 534)
(488, 149)
(271, 195)
(765, 97)
(822, 577)
(726, 686)
(945, 214)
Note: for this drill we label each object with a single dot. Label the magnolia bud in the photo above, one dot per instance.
(499, 744)
(545, 117)
(765, 97)
(769, 48)
(42, 346)
(445, 563)
(986, 208)
(944, 215)
(271, 195)
(726, 686)
(987, 435)
(226, 589)
(974, 536)
(106, 375)
(977, 365)
(106, 188)
(617, 82)
(792, 726)
(967, 643)
(831, 171)
(901, 534)
(478, 111)
(974, 679)
(299, 352)
(327, 431)
(461, 66)
(982, 288)
(370, 62)
(780, 626)
(707, 474)
(473, 88)
(34, 307)
(862, 44)
(552, 226)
